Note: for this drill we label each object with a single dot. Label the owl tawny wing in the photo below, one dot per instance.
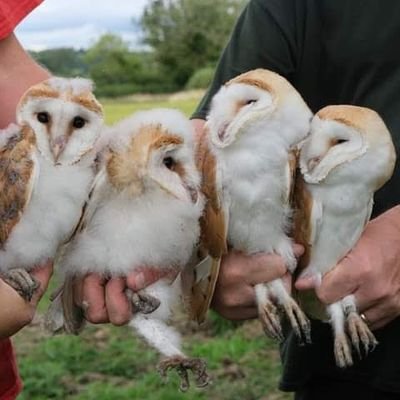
(18, 171)
(213, 240)
(306, 222)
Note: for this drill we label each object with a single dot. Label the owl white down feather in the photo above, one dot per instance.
(144, 211)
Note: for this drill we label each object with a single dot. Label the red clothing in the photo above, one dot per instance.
(10, 382)
(12, 12)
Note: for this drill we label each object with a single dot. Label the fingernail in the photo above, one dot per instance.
(140, 281)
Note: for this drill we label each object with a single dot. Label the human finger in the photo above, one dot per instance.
(145, 276)
(262, 267)
(93, 299)
(338, 283)
(119, 309)
(42, 275)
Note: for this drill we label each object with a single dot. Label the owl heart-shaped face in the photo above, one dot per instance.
(65, 117)
(155, 152)
(345, 140)
(234, 108)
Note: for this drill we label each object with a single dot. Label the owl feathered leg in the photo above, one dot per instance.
(22, 282)
(268, 313)
(342, 347)
(357, 328)
(298, 320)
(167, 341)
(153, 327)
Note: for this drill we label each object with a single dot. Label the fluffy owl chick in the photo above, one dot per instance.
(255, 122)
(45, 175)
(348, 156)
(143, 212)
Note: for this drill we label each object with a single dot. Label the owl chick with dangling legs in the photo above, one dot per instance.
(348, 156)
(255, 122)
(46, 171)
(144, 211)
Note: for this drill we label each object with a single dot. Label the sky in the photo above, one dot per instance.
(78, 23)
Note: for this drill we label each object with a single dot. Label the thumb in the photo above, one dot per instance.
(143, 277)
(338, 283)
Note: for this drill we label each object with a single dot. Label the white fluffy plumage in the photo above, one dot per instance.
(347, 157)
(144, 211)
(255, 122)
(47, 173)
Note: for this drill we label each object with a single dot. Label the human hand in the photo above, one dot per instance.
(234, 296)
(104, 300)
(15, 312)
(371, 271)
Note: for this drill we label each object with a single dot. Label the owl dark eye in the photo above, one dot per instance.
(43, 117)
(169, 162)
(78, 122)
(251, 101)
(340, 141)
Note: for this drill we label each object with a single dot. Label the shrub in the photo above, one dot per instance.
(201, 79)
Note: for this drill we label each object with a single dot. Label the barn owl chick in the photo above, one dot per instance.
(348, 156)
(45, 175)
(255, 122)
(144, 211)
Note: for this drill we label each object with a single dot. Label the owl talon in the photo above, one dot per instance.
(144, 303)
(182, 365)
(298, 320)
(270, 321)
(22, 282)
(342, 351)
(359, 331)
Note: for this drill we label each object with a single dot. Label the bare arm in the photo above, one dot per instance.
(18, 71)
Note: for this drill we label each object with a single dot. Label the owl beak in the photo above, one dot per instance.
(57, 146)
(313, 162)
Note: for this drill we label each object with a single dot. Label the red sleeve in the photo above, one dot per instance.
(12, 12)
(10, 382)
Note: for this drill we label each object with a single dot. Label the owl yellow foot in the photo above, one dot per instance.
(270, 320)
(22, 282)
(342, 351)
(359, 332)
(182, 365)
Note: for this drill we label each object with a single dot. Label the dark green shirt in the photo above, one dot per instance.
(333, 52)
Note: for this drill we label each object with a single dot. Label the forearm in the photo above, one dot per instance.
(18, 71)
(14, 311)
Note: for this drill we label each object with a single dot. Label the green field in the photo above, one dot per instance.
(109, 363)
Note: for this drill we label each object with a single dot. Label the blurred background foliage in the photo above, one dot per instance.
(182, 40)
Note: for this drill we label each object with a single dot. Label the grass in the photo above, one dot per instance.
(106, 362)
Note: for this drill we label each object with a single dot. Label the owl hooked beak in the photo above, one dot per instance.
(57, 146)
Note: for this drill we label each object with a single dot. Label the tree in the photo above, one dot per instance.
(119, 71)
(188, 34)
(62, 61)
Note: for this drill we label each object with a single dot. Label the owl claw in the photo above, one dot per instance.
(359, 331)
(342, 351)
(182, 365)
(270, 321)
(22, 282)
(144, 303)
(298, 320)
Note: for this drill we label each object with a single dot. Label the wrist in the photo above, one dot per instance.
(15, 312)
